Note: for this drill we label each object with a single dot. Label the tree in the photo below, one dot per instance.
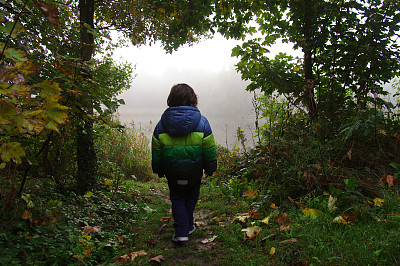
(350, 49)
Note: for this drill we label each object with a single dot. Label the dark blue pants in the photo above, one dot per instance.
(183, 204)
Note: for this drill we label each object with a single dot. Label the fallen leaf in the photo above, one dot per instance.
(165, 219)
(199, 224)
(295, 203)
(157, 259)
(389, 179)
(266, 219)
(339, 220)
(272, 251)
(273, 206)
(241, 218)
(280, 218)
(312, 213)
(378, 202)
(208, 240)
(91, 229)
(349, 217)
(87, 252)
(292, 240)
(26, 215)
(129, 258)
(252, 231)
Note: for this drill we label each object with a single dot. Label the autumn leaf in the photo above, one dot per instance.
(157, 259)
(340, 220)
(272, 251)
(241, 218)
(388, 179)
(251, 232)
(273, 206)
(108, 182)
(91, 229)
(251, 193)
(295, 203)
(266, 219)
(165, 219)
(312, 213)
(129, 258)
(208, 240)
(378, 202)
(26, 215)
(281, 219)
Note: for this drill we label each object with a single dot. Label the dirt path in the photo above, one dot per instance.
(203, 239)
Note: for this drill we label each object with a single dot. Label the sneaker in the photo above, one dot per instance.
(192, 230)
(180, 239)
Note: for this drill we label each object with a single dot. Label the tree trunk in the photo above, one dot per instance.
(308, 64)
(86, 155)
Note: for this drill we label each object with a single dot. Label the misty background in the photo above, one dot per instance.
(208, 68)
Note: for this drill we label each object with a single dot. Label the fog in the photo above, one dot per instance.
(208, 68)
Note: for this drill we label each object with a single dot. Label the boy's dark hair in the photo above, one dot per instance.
(182, 95)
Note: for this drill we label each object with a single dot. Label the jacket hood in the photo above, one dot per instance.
(180, 120)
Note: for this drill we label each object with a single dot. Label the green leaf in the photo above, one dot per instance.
(49, 88)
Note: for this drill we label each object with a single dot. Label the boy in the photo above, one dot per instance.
(182, 147)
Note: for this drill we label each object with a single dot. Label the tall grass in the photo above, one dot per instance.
(124, 151)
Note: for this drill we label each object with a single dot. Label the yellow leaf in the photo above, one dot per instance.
(88, 194)
(312, 213)
(162, 10)
(378, 202)
(266, 219)
(26, 215)
(296, 68)
(272, 251)
(108, 182)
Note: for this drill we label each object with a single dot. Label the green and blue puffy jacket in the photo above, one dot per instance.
(183, 145)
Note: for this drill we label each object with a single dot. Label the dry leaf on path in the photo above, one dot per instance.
(208, 240)
(129, 258)
(251, 232)
(157, 259)
(199, 224)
